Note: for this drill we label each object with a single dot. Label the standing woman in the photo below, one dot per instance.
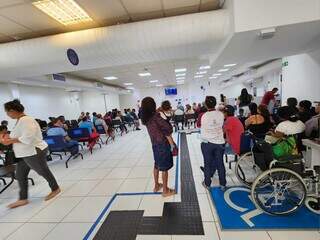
(162, 145)
(244, 100)
(28, 145)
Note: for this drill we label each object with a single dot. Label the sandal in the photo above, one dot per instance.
(157, 189)
(170, 192)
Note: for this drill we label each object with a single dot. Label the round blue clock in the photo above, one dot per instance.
(73, 57)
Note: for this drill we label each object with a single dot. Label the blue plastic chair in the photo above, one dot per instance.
(57, 144)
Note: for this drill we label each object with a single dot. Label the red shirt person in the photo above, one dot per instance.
(269, 96)
(233, 129)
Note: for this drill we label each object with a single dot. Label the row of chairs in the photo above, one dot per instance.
(187, 120)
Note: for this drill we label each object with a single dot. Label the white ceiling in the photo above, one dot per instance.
(164, 72)
(19, 19)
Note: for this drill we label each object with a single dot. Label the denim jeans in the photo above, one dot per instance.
(213, 160)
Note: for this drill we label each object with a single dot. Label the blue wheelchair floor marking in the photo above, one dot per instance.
(237, 211)
(104, 211)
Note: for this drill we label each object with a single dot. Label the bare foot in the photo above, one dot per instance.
(52, 194)
(157, 187)
(169, 192)
(18, 203)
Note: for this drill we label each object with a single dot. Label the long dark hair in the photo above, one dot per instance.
(245, 97)
(288, 113)
(253, 108)
(148, 109)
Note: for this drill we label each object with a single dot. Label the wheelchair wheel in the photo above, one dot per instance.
(313, 204)
(246, 170)
(278, 191)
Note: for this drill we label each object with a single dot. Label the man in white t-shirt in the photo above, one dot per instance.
(212, 145)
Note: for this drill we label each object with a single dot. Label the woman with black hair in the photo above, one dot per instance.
(28, 145)
(244, 100)
(290, 123)
(162, 145)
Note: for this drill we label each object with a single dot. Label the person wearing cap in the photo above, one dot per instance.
(212, 143)
(233, 129)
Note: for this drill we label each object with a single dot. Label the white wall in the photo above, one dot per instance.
(301, 78)
(41, 102)
(259, 14)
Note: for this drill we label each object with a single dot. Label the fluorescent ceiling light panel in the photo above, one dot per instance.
(204, 67)
(130, 88)
(198, 76)
(180, 74)
(217, 74)
(181, 81)
(180, 78)
(159, 85)
(145, 74)
(201, 72)
(224, 70)
(212, 77)
(180, 70)
(110, 78)
(153, 81)
(128, 84)
(230, 65)
(67, 12)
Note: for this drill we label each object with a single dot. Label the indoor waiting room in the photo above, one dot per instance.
(159, 119)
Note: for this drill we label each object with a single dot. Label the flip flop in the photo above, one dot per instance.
(171, 192)
(158, 189)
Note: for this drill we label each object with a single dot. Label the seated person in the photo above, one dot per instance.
(123, 126)
(94, 136)
(254, 117)
(189, 110)
(4, 134)
(63, 121)
(94, 117)
(312, 125)
(233, 130)
(305, 110)
(289, 125)
(99, 121)
(135, 119)
(293, 102)
(82, 115)
(58, 130)
(4, 123)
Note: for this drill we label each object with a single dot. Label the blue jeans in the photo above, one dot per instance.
(213, 160)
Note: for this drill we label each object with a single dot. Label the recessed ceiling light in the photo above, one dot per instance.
(159, 85)
(224, 70)
(217, 74)
(212, 77)
(128, 84)
(145, 74)
(201, 72)
(198, 76)
(180, 81)
(130, 88)
(110, 78)
(180, 70)
(153, 81)
(230, 65)
(67, 12)
(180, 78)
(180, 74)
(204, 67)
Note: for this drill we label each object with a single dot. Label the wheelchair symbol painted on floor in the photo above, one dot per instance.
(249, 213)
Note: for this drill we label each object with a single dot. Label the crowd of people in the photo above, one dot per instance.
(221, 127)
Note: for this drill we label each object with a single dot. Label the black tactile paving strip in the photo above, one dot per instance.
(178, 218)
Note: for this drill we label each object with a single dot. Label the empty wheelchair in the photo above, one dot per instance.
(278, 186)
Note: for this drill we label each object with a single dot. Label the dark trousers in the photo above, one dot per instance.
(38, 163)
(213, 160)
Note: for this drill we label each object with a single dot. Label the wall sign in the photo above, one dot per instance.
(73, 57)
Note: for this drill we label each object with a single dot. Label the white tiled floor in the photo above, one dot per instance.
(89, 184)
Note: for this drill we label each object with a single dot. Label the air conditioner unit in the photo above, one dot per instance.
(58, 77)
(267, 33)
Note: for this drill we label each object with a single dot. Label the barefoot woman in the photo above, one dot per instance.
(28, 146)
(159, 131)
